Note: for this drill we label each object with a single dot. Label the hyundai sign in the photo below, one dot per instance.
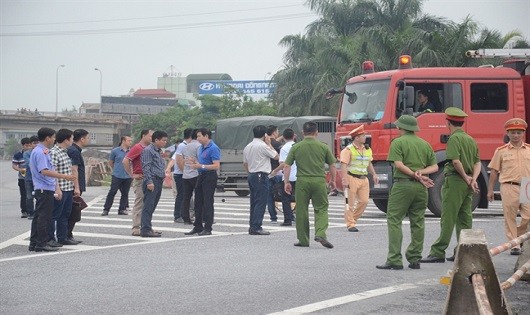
(246, 87)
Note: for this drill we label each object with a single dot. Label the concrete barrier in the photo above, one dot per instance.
(472, 258)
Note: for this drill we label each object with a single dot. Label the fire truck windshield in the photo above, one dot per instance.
(364, 101)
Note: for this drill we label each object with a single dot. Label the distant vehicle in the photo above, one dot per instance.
(233, 134)
(490, 96)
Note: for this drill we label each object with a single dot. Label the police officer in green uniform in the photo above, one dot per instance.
(413, 159)
(461, 171)
(310, 156)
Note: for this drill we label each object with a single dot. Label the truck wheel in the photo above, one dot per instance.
(242, 193)
(382, 204)
(435, 195)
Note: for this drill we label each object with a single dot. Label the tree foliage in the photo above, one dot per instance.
(349, 32)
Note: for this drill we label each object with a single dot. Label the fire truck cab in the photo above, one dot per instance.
(490, 96)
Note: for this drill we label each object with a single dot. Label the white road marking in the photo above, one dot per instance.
(354, 298)
(90, 248)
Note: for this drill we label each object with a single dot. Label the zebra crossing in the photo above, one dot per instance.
(231, 218)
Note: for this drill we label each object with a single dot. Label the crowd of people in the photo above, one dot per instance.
(51, 171)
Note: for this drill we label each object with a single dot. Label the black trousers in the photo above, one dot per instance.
(123, 185)
(22, 190)
(188, 187)
(204, 191)
(42, 219)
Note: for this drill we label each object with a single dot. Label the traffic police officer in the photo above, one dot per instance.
(512, 161)
(461, 171)
(413, 158)
(356, 163)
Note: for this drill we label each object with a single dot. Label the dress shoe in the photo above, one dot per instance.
(515, 251)
(259, 232)
(54, 243)
(31, 248)
(324, 242)
(286, 223)
(104, 213)
(46, 248)
(193, 231)
(414, 265)
(432, 259)
(123, 212)
(150, 234)
(353, 229)
(452, 258)
(74, 240)
(301, 245)
(135, 233)
(179, 220)
(68, 242)
(389, 267)
(24, 215)
(204, 233)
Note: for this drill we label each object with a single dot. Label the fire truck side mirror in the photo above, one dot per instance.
(332, 92)
(408, 95)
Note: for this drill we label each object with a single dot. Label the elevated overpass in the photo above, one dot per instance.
(105, 130)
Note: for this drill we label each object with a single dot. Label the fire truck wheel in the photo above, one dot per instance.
(435, 195)
(382, 204)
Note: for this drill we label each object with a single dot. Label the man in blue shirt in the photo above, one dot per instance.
(153, 166)
(120, 179)
(19, 165)
(45, 185)
(209, 160)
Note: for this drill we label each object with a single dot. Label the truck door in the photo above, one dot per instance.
(489, 106)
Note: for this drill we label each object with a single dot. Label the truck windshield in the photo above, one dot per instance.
(364, 101)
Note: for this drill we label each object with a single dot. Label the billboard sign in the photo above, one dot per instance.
(246, 87)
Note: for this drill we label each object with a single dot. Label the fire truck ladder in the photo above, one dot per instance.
(502, 53)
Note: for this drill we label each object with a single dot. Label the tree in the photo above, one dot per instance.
(349, 32)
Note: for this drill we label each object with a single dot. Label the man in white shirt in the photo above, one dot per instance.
(256, 160)
(177, 175)
(288, 217)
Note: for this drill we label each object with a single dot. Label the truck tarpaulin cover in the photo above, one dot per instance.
(236, 133)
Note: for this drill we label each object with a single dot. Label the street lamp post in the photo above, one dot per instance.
(57, 90)
(100, 84)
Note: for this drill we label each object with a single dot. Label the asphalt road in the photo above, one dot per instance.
(229, 272)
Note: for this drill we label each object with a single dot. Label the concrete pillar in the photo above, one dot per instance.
(473, 257)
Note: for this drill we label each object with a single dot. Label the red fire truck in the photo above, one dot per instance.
(489, 95)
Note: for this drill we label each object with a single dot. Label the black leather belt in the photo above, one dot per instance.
(513, 183)
(357, 176)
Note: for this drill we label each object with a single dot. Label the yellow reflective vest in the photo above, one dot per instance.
(360, 159)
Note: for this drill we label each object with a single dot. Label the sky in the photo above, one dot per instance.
(133, 42)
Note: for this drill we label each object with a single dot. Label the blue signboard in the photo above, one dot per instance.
(246, 87)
